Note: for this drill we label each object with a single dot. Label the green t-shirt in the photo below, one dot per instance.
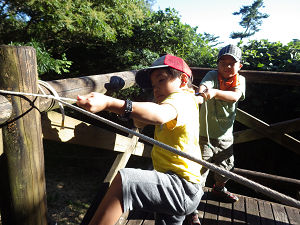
(221, 114)
(181, 133)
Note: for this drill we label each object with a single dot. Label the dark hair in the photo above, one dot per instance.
(176, 73)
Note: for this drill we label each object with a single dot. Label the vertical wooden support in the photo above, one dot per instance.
(121, 159)
(23, 186)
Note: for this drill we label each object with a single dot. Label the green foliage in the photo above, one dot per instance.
(271, 56)
(45, 61)
(163, 32)
(251, 20)
(73, 21)
(104, 36)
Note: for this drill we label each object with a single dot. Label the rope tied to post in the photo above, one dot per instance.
(239, 179)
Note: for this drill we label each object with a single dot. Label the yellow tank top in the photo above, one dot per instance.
(181, 133)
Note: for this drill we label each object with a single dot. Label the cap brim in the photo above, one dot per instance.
(142, 77)
(236, 58)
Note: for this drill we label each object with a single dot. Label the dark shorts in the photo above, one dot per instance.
(170, 196)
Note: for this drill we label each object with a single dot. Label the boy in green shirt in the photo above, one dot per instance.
(222, 89)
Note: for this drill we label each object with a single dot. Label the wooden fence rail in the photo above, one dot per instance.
(22, 189)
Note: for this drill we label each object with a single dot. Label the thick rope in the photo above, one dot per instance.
(54, 92)
(239, 179)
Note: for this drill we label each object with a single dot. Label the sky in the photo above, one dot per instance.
(215, 17)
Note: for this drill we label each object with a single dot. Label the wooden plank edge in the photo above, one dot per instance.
(81, 133)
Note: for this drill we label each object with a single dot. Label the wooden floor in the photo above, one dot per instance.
(246, 211)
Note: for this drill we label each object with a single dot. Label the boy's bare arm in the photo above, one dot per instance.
(229, 96)
(145, 112)
(152, 113)
(139, 124)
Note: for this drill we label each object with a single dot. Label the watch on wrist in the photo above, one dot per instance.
(127, 110)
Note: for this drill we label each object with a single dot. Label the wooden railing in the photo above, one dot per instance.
(25, 122)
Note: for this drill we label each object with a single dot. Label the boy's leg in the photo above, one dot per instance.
(110, 208)
(207, 155)
(222, 193)
(221, 154)
(193, 219)
(223, 158)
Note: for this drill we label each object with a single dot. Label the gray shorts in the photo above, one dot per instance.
(170, 196)
(221, 155)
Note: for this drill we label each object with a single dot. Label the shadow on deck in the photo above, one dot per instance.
(246, 211)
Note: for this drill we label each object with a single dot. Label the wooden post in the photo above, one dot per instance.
(23, 189)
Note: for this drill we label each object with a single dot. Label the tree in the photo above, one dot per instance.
(100, 36)
(163, 32)
(251, 20)
(82, 30)
(271, 56)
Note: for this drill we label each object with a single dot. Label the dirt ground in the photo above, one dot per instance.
(74, 175)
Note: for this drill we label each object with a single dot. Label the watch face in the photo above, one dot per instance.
(127, 111)
(128, 106)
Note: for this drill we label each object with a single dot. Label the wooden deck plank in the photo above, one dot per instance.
(252, 212)
(201, 207)
(293, 215)
(266, 213)
(238, 214)
(211, 211)
(123, 219)
(245, 211)
(225, 213)
(280, 214)
(136, 218)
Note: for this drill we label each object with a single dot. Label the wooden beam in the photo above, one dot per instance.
(102, 83)
(105, 83)
(283, 139)
(278, 182)
(23, 177)
(288, 126)
(122, 159)
(246, 136)
(263, 77)
(81, 133)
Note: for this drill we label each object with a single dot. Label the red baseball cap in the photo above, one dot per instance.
(142, 77)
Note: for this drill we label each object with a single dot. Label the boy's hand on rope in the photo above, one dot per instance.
(200, 99)
(93, 102)
(209, 93)
(206, 94)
